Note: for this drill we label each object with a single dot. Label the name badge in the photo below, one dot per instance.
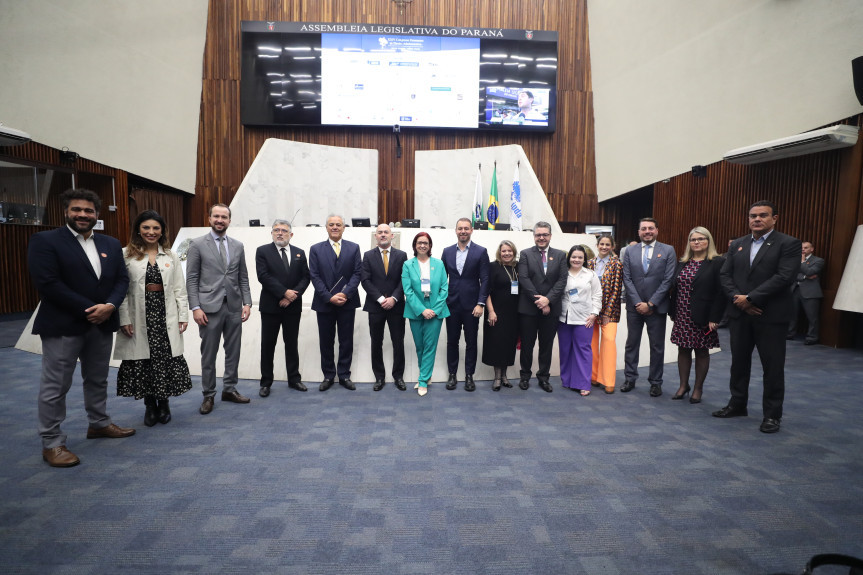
(513, 287)
(573, 294)
(425, 283)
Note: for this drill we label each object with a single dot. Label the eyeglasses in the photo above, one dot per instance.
(281, 231)
(696, 240)
(542, 235)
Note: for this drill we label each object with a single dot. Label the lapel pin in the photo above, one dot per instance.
(167, 265)
(549, 259)
(740, 249)
(104, 255)
(658, 256)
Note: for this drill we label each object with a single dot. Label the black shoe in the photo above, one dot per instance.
(164, 410)
(298, 385)
(495, 386)
(789, 338)
(679, 395)
(655, 390)
(469, 385)
(326, 384)
(347, 384)
(452, 382)
(627, 386)
(151, 412)
(694, 400)
(729, 411)
(807, 342)
(545, 386)
(524, 383)
(400, 383)
(769, 425)
(264, 391)
(379, 384)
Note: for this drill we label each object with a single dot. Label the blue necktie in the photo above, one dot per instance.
(645, 262)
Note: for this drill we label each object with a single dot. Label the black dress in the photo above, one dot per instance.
(499, 340)
(161, 376)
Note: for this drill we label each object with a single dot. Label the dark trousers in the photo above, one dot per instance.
(396, 322)
(290, 326)
(635, 323)
(769, 339)
(458, 320)
(811, 308)
(531, 327)
(328, 323)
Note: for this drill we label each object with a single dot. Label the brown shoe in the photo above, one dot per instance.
(206, 405)
(60, 457)
(609, 389)
(234, 397)
(113, 431)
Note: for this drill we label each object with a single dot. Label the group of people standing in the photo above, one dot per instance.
(91, 288)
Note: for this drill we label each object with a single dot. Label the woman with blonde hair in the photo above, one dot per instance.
(610, 271)
(500, 334)
(697, 304)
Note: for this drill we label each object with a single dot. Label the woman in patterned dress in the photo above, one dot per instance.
(697, 303)
(610, 271)
(153, 317)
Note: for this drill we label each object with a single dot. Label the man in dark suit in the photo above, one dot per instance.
(807, 294)
(220, 300)
(385, 303)
(335, 267)
(758, 272)
(648, 272)
(283, 273)
(466, 264)
(82, 280)
(542, 272)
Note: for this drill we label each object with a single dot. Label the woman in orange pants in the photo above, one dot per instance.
(610, 271)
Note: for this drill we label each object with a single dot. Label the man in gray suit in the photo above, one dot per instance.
(648, 270)
(220, 300)
(807, 294)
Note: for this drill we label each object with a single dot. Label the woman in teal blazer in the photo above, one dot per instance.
(425, 285)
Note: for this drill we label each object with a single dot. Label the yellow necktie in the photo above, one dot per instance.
(337, 249)
(386, 262)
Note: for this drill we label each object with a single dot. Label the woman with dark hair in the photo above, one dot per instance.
(153, 318)
(609, 269)
(425, 285)
(697, 304)
(500, 336)
(582, 302)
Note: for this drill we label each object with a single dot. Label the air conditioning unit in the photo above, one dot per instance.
(12, 137)
(807, 143)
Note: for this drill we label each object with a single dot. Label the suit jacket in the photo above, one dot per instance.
(68, 285)
(810, 288)
(415, 302)
(707, 301)
(379, 283)
(208, 282)
(612, 287)
(133, 311)
(767, 280)
(275, 280)
(653, 286)
(339, 274)
(532, 281)
(470, 287)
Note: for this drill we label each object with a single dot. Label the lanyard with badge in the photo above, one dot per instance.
(513, 280)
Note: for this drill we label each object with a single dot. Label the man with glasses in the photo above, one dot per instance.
(648, 272)
(283, 273)
(542, 272)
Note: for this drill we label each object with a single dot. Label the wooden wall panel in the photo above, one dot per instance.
(563, 161)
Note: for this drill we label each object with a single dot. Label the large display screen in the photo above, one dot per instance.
(371, 75)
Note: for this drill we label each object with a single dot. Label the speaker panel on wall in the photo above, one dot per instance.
(857, 70)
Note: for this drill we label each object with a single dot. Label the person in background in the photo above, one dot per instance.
(807, 294)
(153, 317)
(697, 305)
(81, 280)
(424, 282)
(582, 302)
(500, 335)
(609, 269)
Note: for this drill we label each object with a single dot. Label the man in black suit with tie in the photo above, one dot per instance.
(466, 265)
(807, 294)
(283, 273)
(82, 280)
(335, 267)
(542, 272)
(758, 272)
(385, 303)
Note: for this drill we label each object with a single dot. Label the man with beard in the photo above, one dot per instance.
(220, 300)
(82, 280)
(284, 275)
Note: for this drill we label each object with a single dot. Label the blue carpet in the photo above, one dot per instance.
(390, 483)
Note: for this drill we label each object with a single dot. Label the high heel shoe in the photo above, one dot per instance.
(679, 395)
(694, 400)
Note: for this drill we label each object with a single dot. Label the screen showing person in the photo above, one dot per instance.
(517, 106)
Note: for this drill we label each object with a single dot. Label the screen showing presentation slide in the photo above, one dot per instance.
(380, 80)
(517, 106)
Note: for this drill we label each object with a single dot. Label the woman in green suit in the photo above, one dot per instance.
(425, 285)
